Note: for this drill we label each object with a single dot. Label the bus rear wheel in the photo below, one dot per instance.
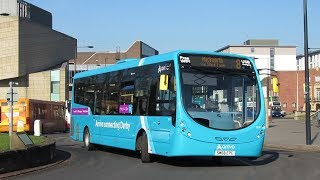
(86, 140)
(145, 156)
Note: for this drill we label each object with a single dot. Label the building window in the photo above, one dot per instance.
(272, 51)
(252, 50)
(318, 94)
(293, 105)
(284, 105)
(55, 85)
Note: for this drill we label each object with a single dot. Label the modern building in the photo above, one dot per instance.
(32, 53)
(269, 57)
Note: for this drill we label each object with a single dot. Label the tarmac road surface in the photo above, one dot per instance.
(111, 163)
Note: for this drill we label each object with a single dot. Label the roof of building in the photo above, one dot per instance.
(108, 57)
(257, 43)
(310, 54)
(250, 46)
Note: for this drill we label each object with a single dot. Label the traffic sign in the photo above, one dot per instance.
(15, 95)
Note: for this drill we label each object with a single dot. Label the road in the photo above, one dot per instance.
(110, 163)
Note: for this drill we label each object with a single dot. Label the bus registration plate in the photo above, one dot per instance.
(224, 153)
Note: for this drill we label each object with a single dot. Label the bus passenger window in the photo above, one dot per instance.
(166, 103)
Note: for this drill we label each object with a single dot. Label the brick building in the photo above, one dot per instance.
(291, 89)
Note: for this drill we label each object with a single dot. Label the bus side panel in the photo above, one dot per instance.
(116, 131)
(121, 131)
(159, 132)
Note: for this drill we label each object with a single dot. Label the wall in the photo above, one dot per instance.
(288, 89)
(39, 86)
(9, 47)
(42, 48)
(64, 87)
(36, 86)
(134, 51)
(285, 62)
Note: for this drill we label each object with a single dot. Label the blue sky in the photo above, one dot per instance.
(182, 24)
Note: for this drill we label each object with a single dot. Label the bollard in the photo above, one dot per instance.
(37, 128)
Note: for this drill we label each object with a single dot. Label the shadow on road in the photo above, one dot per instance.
(266, 158)
(61, 156)
(118, 151)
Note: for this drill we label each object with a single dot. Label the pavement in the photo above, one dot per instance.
(290, 134)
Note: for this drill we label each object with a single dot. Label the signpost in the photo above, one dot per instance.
(12, 96)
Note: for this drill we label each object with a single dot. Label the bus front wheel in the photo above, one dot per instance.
(145, 156)
(86, 140)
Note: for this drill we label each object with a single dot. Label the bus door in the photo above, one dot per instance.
(163, 109)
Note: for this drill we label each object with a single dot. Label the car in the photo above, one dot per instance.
(276, 113)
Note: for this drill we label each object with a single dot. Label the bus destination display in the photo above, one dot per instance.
(216, 62)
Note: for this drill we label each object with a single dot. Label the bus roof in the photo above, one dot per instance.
(130, 63)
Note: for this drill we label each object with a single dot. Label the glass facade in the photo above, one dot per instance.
(55, 85)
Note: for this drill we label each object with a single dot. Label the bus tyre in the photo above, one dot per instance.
(145, 156)
(86, 140)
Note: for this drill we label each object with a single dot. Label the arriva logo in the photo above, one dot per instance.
(226, 146)
(184, 59)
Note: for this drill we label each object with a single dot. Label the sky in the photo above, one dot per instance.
(168, 25)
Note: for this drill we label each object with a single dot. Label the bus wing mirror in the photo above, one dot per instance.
(163, 85)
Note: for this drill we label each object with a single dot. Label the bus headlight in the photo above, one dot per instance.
(189, 134)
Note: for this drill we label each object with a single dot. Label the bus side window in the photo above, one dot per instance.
(113, 93)
(166, 98)
(143, 94)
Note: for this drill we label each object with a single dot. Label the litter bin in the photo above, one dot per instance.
(37, 128)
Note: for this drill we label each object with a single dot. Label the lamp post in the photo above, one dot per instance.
(306, 59)
(297, 104)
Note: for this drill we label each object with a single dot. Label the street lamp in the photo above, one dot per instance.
(297, 102)
(306, 59)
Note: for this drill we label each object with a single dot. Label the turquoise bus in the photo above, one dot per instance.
(182, 103)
